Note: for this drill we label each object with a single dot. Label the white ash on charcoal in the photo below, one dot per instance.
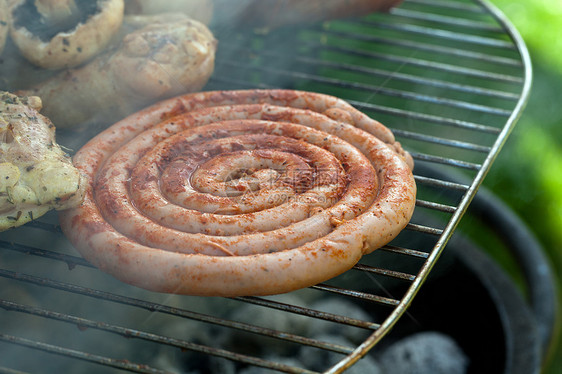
(355, 335)
(271, 349)
(424, 353)
(251, 344)
(320, 360)
(290, 361)
(278, 320)
(421, 353)
(188, 363)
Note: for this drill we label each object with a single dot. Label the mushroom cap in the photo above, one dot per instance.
(172, 57)
(69, 48)
(3, 23)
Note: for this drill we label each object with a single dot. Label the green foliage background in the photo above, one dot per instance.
(528, 172)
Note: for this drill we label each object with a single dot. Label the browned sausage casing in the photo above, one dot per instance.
(239, 193)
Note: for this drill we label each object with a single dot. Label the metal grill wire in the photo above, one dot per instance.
(450, 78)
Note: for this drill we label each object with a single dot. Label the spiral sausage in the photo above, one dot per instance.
(239, 193)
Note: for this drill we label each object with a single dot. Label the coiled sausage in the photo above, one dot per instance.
(231, 193)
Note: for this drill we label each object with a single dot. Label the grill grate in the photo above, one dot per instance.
(450, 78)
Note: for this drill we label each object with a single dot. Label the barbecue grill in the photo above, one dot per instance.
(450, 78)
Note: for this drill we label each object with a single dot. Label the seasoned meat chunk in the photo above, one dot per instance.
(35, 173)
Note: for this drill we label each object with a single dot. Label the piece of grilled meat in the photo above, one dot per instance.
(36, 175)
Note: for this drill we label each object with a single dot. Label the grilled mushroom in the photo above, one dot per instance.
(57, 34)
(171, 55)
